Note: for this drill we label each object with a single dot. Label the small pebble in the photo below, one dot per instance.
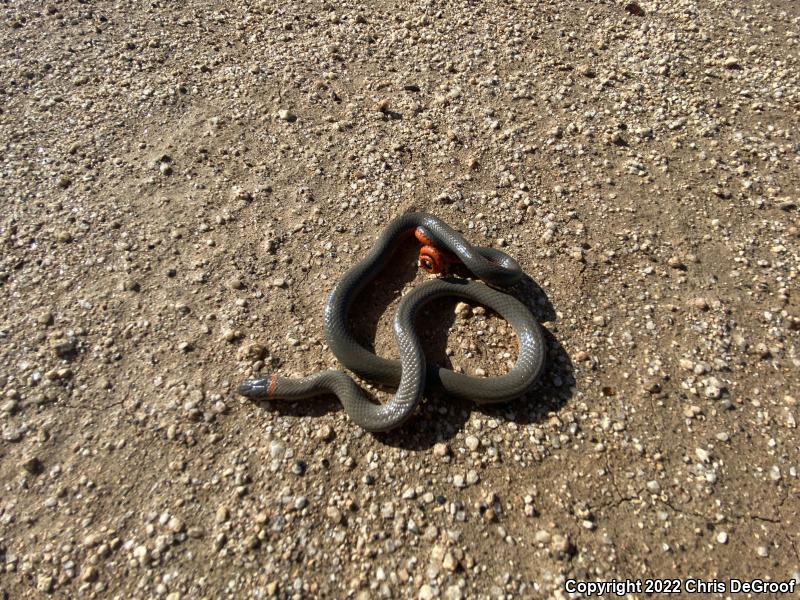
(140, 553)
(129, 285)
(334, 514)
(449, 562)
(44, 583)
(560, 546)
(176, 525)
(89, 574)
(542, 537)
(252, 352)
(325, 433)
(732, 63)
(472, 477)
(702, 454)
(581, 356)
(222, 514)
(676, 263)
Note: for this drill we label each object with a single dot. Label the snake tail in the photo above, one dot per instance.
(335, 383)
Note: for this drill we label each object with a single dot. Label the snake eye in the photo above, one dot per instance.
(431, 260)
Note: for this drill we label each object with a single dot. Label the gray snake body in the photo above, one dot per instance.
(411, 374)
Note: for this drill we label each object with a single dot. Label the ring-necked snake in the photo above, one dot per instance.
(442, 246)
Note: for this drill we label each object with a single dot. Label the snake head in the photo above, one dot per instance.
(431, 258)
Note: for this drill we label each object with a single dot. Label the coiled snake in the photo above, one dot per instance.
(442, 246)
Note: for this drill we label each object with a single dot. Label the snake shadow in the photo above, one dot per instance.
(440, 416)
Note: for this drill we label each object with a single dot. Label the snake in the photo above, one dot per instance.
(443, 250)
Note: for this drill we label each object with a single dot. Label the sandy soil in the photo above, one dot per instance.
(182, 182)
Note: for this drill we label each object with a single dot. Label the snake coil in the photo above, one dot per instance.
(442, 246)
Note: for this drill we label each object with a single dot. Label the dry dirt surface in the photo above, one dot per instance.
(181, 183)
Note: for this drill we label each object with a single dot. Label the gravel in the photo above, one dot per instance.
(183, 183)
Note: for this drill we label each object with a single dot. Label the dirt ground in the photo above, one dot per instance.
(181, 183)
